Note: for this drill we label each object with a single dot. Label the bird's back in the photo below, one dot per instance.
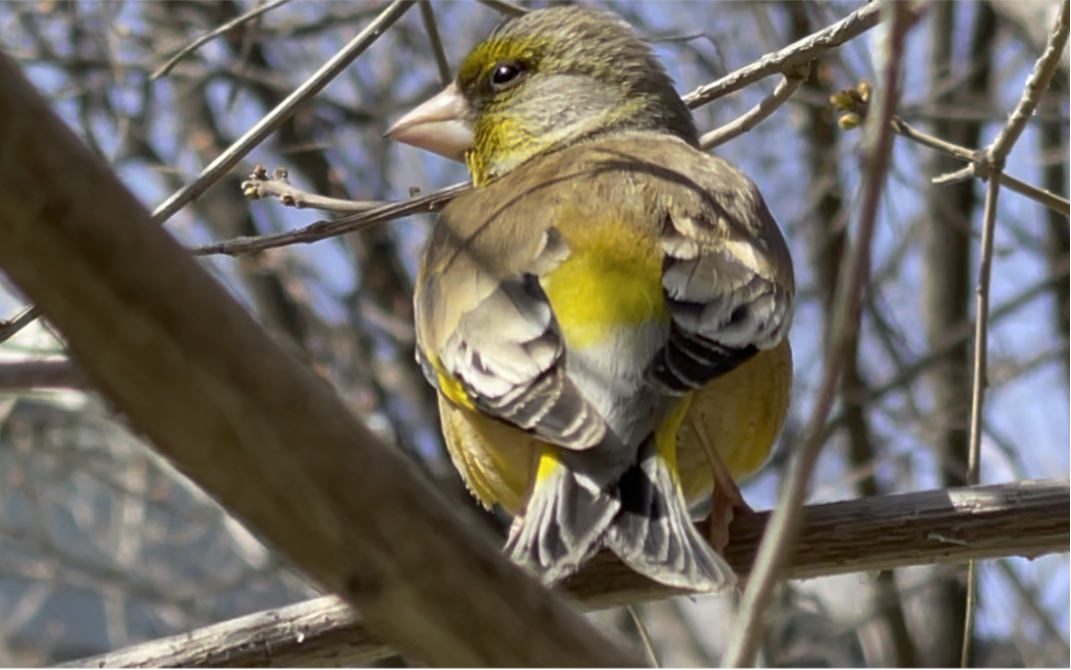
(588, 221)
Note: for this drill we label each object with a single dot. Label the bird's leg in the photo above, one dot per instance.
(727, 498)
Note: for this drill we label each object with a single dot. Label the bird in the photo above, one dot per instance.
(605, 313)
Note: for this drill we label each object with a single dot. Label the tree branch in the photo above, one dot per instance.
(259, 431)
(946, 526)
(267, 125)
(767, 106)
(794, 55)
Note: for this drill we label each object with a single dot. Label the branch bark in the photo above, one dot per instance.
(884, 532)
(213, 392)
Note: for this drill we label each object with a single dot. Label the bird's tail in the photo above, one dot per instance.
(642, 517)
(564, 521)
(653, 533)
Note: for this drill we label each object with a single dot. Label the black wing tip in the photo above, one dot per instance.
(688, 363)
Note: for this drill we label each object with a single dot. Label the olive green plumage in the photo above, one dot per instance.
(605, 314)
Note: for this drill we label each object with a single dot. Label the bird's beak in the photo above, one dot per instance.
(439, 126)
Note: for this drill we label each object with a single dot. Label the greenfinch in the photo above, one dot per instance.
(605, 314)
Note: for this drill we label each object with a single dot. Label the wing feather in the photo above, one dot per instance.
(723, 287)
(507, 353)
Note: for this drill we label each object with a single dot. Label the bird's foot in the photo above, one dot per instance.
(725, 505)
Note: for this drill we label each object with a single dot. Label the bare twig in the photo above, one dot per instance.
(1039, 195)
(1038, 82)
(266, 126)
(16, 323)
(995, 156)
(432, 202)
(795, 55)
(645, 635)
(755, 115)
(955, 338)
(783, 527)
(1030, 597)
(503, 7)
(260, 185)
(942, 526)
(258, 133)
(981, 341)
(208, 37)
(427, 13)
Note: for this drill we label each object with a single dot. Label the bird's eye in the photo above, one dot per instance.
(505, 74)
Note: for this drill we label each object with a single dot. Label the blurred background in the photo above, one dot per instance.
(103, 544)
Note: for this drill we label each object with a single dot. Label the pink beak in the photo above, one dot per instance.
(439, 126)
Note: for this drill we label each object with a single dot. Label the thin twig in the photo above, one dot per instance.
(1029, 596)
(266, 126)
(981, 330)
(796, 54)
(208, 37)
(1039, 80)
(953, 339)
(983, 164)
(260, 185)
(645, 635)
(427, 13)
(754, 116)
(10, 327)
(320, 230)
(981, 341)
(782, 532)
(993, 165)
(503, 7)
(1038, 195)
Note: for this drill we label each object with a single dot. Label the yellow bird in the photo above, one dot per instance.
(605, 314)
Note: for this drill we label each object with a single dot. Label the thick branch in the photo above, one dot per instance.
(946, 526)
(258, 430)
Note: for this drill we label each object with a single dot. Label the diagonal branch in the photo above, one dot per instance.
(266, 126)
(794, 55)
(213, 34)
(1036, 84)
(767, 106)
(195, 373)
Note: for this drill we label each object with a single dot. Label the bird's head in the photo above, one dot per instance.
(544, 81)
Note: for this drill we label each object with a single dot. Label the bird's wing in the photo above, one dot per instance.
(727, 277)
(487, 333)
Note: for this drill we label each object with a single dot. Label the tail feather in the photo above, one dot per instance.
(653, 533)
(642, 518)
(563, 522)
